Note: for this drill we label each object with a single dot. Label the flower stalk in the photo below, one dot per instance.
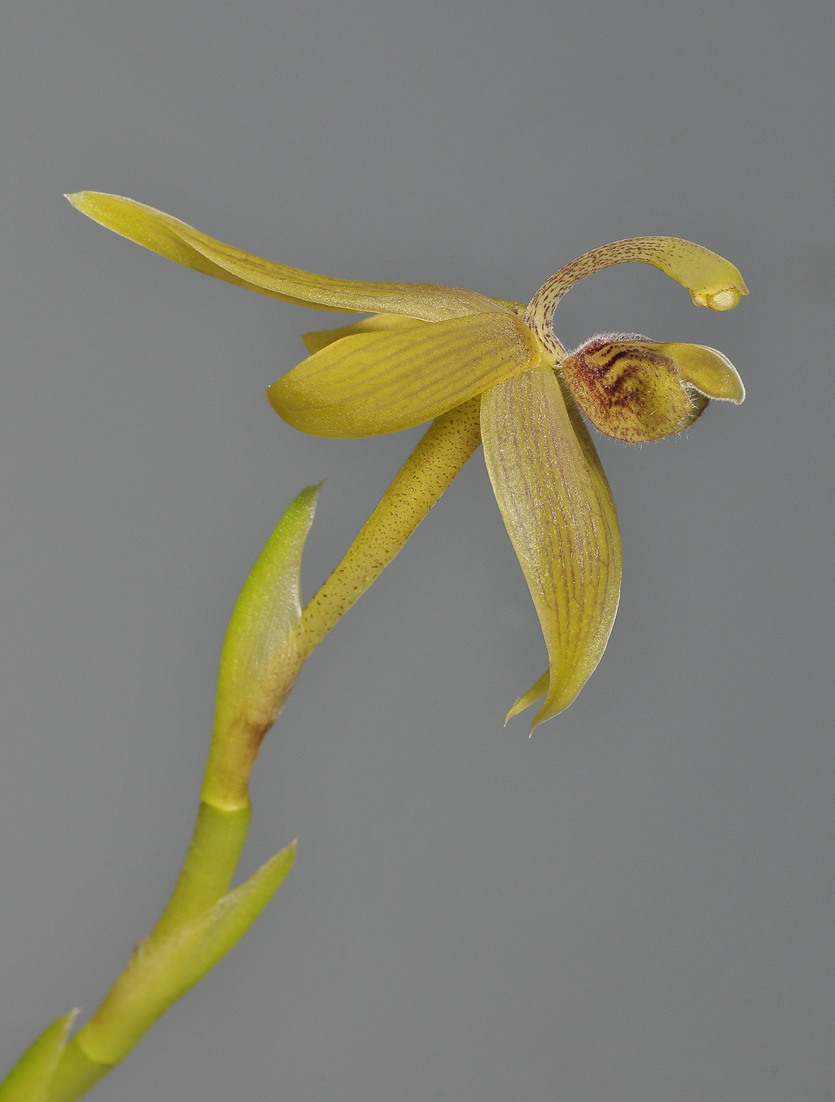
(440, 454)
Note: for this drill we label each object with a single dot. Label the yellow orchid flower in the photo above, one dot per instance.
(493, 371)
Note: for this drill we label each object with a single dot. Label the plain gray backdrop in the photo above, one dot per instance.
(635, 904)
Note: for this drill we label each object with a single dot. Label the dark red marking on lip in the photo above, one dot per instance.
(630, 390)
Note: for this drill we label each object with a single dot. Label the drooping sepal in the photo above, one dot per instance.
(636, 390)
(559, 514)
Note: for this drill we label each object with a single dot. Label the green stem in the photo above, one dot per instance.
(77, 1072)
(210, 864)
(206, 874)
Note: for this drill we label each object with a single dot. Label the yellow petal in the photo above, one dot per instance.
(374, 383)
(172, 238)
(636, 390)
(559, 514)
(711, 280)
(314, 342)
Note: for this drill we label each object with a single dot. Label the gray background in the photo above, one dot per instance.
(638, 902)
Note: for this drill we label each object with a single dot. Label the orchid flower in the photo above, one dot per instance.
(486, 371)
(489, 370)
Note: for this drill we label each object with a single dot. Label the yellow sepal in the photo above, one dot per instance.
(561, 519)
(179, 242)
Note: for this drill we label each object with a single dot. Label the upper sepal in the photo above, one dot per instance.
(636, 390)
(182, 243)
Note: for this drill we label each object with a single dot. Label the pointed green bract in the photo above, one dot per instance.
(180, 242)
(29, 1080)
(374, 383)
(561, 519)
(259, 662)
(162, 969)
